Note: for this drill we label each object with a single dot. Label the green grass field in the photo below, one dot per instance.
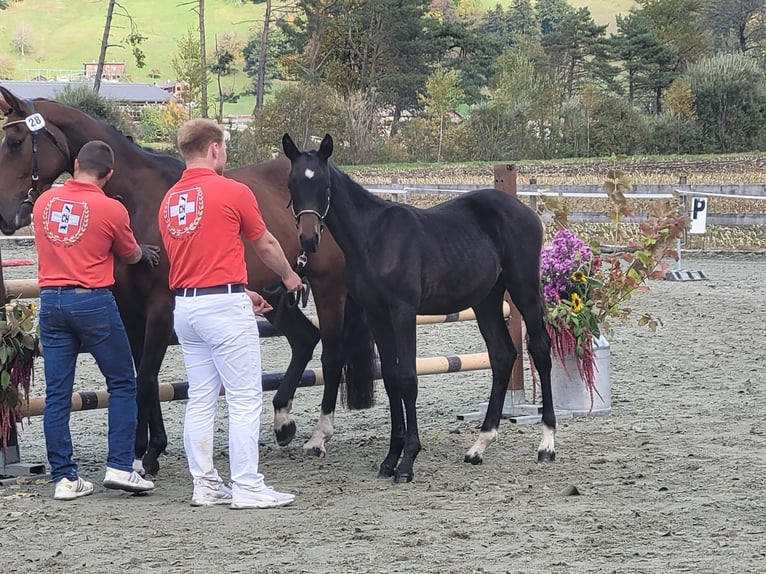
(63, 34)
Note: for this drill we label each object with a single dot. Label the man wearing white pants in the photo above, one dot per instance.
(202, 218)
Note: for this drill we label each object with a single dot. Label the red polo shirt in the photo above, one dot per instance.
(78, 231)
(202, 219)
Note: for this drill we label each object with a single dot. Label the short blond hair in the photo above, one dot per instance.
(195, 137)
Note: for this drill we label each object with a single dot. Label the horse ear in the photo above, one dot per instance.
(11, 102)
(325, 148)
(289, 147)
(5, 103)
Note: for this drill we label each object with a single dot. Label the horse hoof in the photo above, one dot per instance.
(385, 471)
(315, 452)
(546, 456)
(403, 478)
(474, 459)
(286, 434)
(151, 467)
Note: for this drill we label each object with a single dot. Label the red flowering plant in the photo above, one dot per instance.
(18, 349)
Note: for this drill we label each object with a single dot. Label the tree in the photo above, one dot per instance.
(550, 13)
(470, 50)
(133, 39)
(442, 95)
(678, 24)
(302, 110)
(203, 58)
(278, 59)
(260, 83)
(521, 18)
(730, 100)
(648, 61)
(22, 40)
(80, 96)
(379, 49)
(222, 65)
(187, 64)
(104, 46)
(737, 25)
(528, 93)
(574, 46)
(678, 104)
(7, 67)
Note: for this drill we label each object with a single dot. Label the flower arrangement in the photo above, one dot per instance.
(586, 287)
(567, 271)
(18, 349)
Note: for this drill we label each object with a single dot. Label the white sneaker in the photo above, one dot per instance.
(211, 495)
(264, 498)
(70, 489)
(124, 480)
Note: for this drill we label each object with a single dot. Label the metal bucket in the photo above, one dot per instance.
(569, 391)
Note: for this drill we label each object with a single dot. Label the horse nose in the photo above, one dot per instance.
(310, 243)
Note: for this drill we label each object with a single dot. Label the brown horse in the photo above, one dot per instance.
(32, 157)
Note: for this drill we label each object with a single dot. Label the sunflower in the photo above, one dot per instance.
(576, 303)
(579, 277)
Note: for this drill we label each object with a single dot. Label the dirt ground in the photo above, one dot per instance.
(673, 480)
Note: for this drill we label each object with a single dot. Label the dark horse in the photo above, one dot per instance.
(31, 161)
(401, 261)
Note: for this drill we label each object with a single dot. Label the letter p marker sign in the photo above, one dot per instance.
(699, 215)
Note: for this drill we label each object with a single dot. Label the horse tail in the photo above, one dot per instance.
(358, 350)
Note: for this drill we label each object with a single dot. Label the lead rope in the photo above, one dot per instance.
(284, 299)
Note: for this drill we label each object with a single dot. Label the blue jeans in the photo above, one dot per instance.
(73, 318)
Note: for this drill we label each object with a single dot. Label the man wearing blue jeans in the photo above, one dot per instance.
(78, 232)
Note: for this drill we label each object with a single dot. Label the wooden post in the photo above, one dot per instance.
(2, 280)
(505, 181)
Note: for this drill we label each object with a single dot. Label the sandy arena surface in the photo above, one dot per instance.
(673, 480)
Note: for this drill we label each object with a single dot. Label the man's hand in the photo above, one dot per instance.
(260, 305)
(150, 254)
(293, 282)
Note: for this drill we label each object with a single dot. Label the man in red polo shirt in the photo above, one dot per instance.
(202, 220)
(78, 232)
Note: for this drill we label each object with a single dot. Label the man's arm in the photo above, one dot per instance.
(270, 251)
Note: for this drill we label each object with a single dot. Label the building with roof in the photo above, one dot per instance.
(131, 96)
(112, 71)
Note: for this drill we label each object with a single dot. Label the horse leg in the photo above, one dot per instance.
(134, 327)
(148, 342)
(302, 336)
(347, 355)
(329, 304)
(502, 354)
(526, 296)
(158, 333)
(397, 348)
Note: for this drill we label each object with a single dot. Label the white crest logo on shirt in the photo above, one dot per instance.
(65, 220)
(182, 211)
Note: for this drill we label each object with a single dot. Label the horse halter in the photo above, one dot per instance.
(320, 216)
(34, 191)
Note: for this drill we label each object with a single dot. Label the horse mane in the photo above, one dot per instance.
(340, 177)
(158, 155)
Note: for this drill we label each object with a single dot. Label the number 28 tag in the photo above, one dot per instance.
(35, 122)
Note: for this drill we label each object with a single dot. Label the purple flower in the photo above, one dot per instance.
(566, 254)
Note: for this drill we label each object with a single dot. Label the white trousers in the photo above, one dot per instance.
(219, 338)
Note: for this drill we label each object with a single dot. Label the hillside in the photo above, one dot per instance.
(62, 34)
